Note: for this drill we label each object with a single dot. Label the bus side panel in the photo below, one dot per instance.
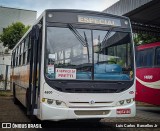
(21, 77)
(148, 85)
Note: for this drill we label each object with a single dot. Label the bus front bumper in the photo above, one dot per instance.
(49, 112)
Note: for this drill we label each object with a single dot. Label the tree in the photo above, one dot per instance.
(141, 39)
(12, 34)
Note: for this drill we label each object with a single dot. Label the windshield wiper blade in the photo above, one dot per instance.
(76, 33)
(100, 44)
(106, 37)
(82, 40)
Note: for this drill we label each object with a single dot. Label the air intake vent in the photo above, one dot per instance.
(89, 112)
(80, 90)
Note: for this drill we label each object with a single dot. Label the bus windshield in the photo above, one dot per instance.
(85, 54)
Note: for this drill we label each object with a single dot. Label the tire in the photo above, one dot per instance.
(15, 100)
(33, 118)
(28, 108)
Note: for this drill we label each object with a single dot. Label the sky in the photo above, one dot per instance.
(41, 5)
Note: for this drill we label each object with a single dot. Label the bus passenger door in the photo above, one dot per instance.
(35, 66)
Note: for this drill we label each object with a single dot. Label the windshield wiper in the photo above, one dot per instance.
(100, 44)
(82, 40)
(106, 37)
(78, 35)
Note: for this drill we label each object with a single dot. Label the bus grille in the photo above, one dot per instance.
(83, 90)
(93, 112)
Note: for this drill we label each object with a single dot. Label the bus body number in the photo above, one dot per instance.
(48, 92)
(148, 77)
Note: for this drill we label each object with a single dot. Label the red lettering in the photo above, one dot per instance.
(65, 73)
(59, 75)
(73, 71)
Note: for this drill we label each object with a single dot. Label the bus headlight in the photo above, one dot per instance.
(60, 103)
(121, 102)
(128, 101)
(57, 103)
(124, 102)
(49, 101)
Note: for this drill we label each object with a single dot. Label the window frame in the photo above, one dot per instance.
(153, 59)
(29, 51)
(92, 28)
(155, 63)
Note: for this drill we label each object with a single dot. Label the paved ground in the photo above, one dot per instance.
(13, 113)
(10, 112)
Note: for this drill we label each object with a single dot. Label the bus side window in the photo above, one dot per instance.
(17, 55)
(29, 50)
(20, 54)
(14, 58)
(18, 61)
(26, 49)
(158, 56)
(24, 53)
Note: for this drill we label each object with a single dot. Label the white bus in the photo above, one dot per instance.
(74, 64)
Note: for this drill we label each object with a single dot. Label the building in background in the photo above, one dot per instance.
(122, 7)
(144, 14)
(7, 17)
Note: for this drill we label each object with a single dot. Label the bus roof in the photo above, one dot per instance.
(146, 46)
(67, 11)
(85, 11)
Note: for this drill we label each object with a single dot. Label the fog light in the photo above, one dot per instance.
(49, 101)
(128, 101)
(121, 102)
(58, 102)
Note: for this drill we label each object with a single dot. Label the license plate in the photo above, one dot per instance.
(123, 111)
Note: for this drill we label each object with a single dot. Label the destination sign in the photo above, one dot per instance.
(99, 20)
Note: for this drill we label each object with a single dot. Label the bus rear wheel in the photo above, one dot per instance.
(15, 100)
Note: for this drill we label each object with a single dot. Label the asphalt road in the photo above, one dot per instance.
(145, 114)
